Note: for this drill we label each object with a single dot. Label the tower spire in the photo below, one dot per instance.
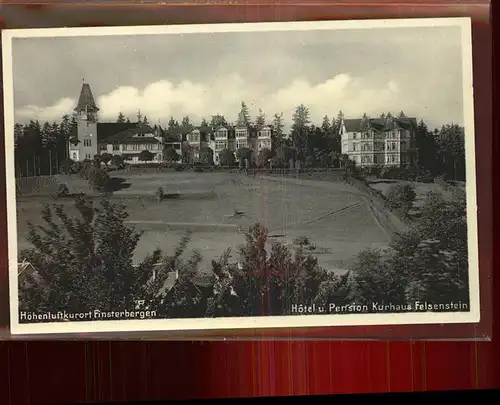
(86, 100)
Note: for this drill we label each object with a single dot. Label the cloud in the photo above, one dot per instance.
(50, 113)
(163, 99)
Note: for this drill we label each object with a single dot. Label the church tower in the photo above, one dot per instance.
(85, 145)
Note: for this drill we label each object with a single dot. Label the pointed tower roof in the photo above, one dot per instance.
(86, 100)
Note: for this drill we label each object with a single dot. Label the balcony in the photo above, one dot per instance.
(221, 134)
(241, 134)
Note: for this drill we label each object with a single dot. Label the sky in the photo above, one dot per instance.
(415, 70)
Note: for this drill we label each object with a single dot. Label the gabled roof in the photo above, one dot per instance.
(86, 100)
(203, 129)
(380, 124)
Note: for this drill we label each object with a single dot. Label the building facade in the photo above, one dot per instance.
(132, 143)
(384, 141)
(127, 140)
(130, 140)
(85, 144)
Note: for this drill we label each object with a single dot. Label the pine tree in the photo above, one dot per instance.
(121, 118)
(260, 121)
(186, 124)
(300, 127)
(172, 123)
(243, 116)
(325, 125)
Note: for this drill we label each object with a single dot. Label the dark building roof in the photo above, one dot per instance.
(129, 136)
(86, 100)
(380, 124)
(107, 129)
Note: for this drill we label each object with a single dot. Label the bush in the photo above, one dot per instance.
(160, 193)
(66, 166)
(424, 176)
(62, 191)
(301, 241)
(198, 169)
(401, 196)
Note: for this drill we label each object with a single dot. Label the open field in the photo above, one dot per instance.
(215, 207)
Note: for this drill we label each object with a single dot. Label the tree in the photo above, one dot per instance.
(48, 139)
(170, 155)
(426, 147)
(218, 121)
(325, 125)
(172, 123)
(260, 121)
(146, 156)
(226, 157)
(300, 126)
(145, 121)
(85, 262)
(98, 179)
(186, 124)
(187, 152)
(206, 156)
(117, 160)
(121, 118)
(374, 280)
(204, 122)
(278, 126)
(106, 158)
(264, 156)
(242, 154)
(243, 116)
(451, 152)
(401, 196)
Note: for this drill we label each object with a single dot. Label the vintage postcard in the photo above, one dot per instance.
(236, 176)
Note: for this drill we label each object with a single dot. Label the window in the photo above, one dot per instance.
(241, 133)
(354, 135)
(116, 147)
(220, 144)
(241, 144)
(265, 133)
(194, 137)
(75, 157)
(87, 142)
(87, 156)
(221, 133)
(103, 146)
(354, 147)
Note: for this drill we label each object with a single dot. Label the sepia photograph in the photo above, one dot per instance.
(241, 176)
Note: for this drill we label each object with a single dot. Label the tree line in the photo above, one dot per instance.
(40, 148)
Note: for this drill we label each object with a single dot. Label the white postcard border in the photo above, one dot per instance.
(265, 322)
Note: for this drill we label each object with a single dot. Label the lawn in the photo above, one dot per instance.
(215, 207)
